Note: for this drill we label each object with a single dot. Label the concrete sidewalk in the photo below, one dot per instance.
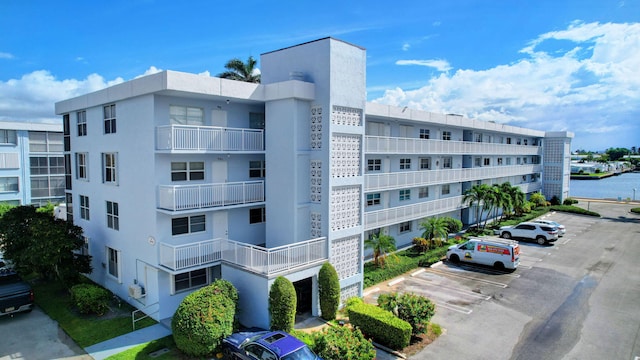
(124, 342)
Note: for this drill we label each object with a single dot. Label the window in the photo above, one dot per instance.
(113, 260)
(423, 192)
(518, 161)
(84, 207)
(499, 161)
(404, 226)
(188, 224)
(8, 137)
(487, 161)
(525, 141)
(81, 166)
(405, 164)
(256, 120)
(446, 135)
(425, 163)
(405, 194)
(508, 161)
(447, 162)
(257, 169)
(37, 141)
(82, 123)
(508, 140)
(374, 164)
(110, 119)
(184, 115)
(257, 215)
(187, 171)
(109, 168)
(446, 189)
(373, 199)
(518, 141)
(478, 162)
(190, 279)
(405, 131)
(113, 221)
(424, 133)
(478, 137)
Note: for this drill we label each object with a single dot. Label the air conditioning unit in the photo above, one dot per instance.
(135, 291)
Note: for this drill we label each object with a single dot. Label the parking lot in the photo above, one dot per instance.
(563, 301)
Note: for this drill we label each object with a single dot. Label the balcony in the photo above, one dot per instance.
(186, 138)
(386, 217)
(257, 259)
(396, 145)
(190, 197)
(400, 180)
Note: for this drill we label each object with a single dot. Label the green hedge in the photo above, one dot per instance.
(574, 210)
(407, 260)
(90, 299)
(343, 343)
(282, 304)
(381, 325)
(636, 210)
(328, 291)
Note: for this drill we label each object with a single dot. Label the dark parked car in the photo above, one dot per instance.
(266, 345)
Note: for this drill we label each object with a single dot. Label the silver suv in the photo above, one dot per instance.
(540, 233)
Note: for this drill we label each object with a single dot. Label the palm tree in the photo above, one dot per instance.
(507, 200)
(381, 245)
(518, 199)
(475, 195)
(238, 70)
(435, 228)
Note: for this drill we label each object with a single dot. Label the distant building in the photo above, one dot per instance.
(178, 179)
(31, 163)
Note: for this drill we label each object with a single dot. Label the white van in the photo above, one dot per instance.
(502, 254)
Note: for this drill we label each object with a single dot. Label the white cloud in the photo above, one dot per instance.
(150, 71)
(4, 55)
(32, 97)
(406, 47)
(440, 65)
(597, 82)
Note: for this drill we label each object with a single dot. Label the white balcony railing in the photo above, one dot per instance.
(398, 180)
(194, 254)
(530, 187)
(397, 145)
(208, 138)
(269, 261)
(257, 259)
(187, 197)
(386, 217)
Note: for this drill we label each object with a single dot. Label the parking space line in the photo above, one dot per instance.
(566, 241)
(456, 308)
(487, 270)
(462, 291)
(530, 258)
(448, 273)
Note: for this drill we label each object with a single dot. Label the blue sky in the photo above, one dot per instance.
(548, 64)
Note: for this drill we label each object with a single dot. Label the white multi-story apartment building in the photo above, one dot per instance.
(31, 163)
(178, 179)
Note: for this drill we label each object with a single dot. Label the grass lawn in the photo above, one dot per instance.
(85, 330)
(148, 351)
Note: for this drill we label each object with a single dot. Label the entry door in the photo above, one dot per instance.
(220, 224)
(218, 118)
(151, 285)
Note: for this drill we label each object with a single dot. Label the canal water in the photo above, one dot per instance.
(614, 187)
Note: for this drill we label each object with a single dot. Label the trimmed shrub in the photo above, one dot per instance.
(343, 343)
(353, 301)
(421, 244)
(574, 210)
(90, 299)
(282, 304)
(554, 200)
(329, 291)
(453, 225)
(204, 318)
(381, 325)
(415, 309)
(636, 210)
(407, 260)
(569, 201)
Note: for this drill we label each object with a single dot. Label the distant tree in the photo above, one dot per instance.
(634, 150)
(241, 71)
(616, 154)
(37, 242)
